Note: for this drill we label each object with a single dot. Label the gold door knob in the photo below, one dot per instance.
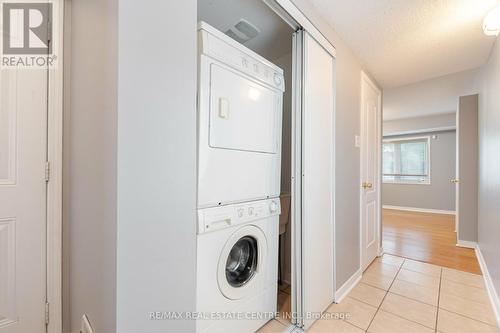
(455, 181)
(367, 185)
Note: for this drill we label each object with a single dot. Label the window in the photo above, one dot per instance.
(406, 160)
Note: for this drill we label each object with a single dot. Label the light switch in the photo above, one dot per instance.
(357, 141)
(223, 108)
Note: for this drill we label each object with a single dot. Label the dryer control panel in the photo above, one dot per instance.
(222, 47)
(216, 218)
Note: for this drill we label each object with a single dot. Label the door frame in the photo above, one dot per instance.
(54, 183)
(366, 79)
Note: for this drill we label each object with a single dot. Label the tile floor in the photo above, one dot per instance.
(407, 296)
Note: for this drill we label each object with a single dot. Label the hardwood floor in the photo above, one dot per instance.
(426, 237)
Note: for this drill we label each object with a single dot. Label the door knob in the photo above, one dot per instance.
(455, 181)
(367, 185)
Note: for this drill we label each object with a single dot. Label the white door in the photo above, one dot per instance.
(23, 152)
(317, 178)
(370, 170)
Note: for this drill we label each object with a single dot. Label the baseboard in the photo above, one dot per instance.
(467, 244)
(420, 210)
(346, 288)
(380, 251)
(490, 288)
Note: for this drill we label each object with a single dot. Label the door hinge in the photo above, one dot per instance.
(47, 171)
(47, 314)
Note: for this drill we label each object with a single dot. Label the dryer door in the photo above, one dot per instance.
(241, 261)
(243, 113)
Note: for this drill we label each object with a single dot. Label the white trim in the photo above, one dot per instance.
(348, 286)
(307, 25)
(423, 130)
(490, 288)
(54, 186)
(420, 210)
(467, 244)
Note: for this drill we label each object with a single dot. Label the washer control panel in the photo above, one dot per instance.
(216, 218)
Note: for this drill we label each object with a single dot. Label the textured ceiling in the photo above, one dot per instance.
(405, 41)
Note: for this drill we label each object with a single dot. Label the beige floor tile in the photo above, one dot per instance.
(391, 260)
(449, 322)
(464, 291)
(418, 278)
(422, 267)
(359, 314)
(410, 309)
(273, 326)
(382, 269)
(469, 279)
(333, 325)
(284, 308)
(473, 310)
(377, 280)
(368, 294)
(385, 322)
(285, 287)
(416, 292)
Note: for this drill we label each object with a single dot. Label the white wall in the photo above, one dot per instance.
(489, 162)
(434, 96)
(156, 259)
(89, 170)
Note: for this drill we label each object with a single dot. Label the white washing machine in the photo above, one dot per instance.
(240, 100)
(237, 257)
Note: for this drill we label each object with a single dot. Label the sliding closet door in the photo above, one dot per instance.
(317, 179)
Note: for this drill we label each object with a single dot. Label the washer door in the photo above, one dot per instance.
(241, 262)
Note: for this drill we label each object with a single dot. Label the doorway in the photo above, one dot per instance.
(420, 174)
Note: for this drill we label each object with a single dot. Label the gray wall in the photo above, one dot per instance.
(347, 119)
(440, 194)
(468, 167)
(419, 123)
(156, 164)
(89, 170)
(489, 163)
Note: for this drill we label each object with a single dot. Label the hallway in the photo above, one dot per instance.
(426, 237)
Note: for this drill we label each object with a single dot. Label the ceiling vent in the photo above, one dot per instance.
(242, 31)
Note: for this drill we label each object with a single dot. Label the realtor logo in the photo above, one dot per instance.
(27, 28)
(27, 33)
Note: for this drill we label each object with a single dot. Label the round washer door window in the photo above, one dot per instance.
(241, 262)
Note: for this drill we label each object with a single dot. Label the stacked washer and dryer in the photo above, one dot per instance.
(240, 98)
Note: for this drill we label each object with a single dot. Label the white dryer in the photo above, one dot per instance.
(237, 257)
(239, 122)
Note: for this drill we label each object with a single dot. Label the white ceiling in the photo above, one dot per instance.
(275, 37)
(405, 41)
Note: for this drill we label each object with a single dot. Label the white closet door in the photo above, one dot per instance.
(317, 179)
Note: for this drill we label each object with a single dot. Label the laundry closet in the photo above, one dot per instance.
(265, 168)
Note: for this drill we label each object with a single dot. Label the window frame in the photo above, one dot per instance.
(429, 162)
